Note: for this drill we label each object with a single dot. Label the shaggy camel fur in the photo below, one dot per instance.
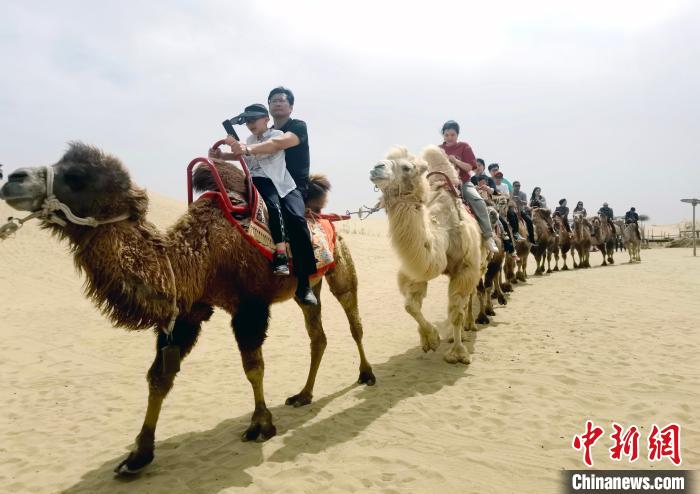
(633, 242)
(581, 241)
(134, 274)
(603, 237)
(542, 221)
(433, 234)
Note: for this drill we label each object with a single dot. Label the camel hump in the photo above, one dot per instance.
(397, 153)
(437, 161)
(317, 194)
(232, 176)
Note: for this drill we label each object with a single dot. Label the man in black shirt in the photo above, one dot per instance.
(563, 211)
(295, 143)
(631, 216)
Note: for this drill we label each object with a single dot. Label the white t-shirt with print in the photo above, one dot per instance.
(272, 166)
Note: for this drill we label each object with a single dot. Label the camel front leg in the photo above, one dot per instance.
(250, 328)
(414, 292)
(184, 336)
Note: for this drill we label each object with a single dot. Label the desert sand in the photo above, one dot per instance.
(617, 343)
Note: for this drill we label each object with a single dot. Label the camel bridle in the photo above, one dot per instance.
(48, 210)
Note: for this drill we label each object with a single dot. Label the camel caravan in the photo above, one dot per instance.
(219, 252)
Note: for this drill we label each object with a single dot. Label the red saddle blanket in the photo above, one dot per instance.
(255, 228)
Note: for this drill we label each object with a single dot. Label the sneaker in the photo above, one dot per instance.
(491, 245)
(280, 265)
(305, 296)
(517, 236)
(281, 270)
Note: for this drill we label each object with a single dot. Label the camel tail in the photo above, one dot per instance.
(317, 195)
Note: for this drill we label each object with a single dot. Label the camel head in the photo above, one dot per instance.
(87, 181)
(400, 174)
(543, 214)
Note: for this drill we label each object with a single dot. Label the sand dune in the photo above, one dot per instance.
(617, 343)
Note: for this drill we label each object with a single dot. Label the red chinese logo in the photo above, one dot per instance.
(627, 444)
(587, 441)
(662, 443)
(665, 442)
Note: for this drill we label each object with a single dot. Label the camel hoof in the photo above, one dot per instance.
(366, 377)
(482, 319)
(493, 295)
(261, 427)
(134, 463)
(460, 355)
(431, 342)
(301, 399)
(502, 300)
(507, 287)
(549, 271)
(490, 311)
(555, 269)
(565, 268)
(538, 273)
(611, 260)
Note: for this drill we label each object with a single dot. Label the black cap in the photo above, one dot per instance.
(252, 112)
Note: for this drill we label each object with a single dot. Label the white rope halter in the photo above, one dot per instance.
(47, 213)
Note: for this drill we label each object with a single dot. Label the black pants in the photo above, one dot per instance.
(289, 213)
(515, 224)
(507, 238)
(565, 219)
(274, 208)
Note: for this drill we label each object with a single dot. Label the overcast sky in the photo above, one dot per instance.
(594, 101)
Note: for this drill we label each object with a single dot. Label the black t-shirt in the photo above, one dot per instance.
(562, 210)
(297, 157)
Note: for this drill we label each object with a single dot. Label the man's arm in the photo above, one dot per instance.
(460, 164)
(271, 146)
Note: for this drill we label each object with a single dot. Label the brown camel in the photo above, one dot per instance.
(542, 221)
(603, 237)
(565, 244)
(490, 283)
(433, 234)
(581, 241)
(141, 278)
(565, 241)
(522, 247)
(522, 250)
(553, 248)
